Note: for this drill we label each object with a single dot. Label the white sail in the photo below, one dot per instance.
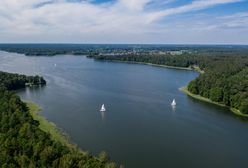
(173, 102)
(103, 108)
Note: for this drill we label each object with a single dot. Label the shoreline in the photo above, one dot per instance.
(184, 89)
(195, 68)
(200, 98)
(55, 132)
(48, 126)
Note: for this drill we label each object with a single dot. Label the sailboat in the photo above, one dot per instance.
(174, 102)
(103, 108)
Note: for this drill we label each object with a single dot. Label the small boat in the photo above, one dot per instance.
(55, 65)
(174, 102)
(103, 108)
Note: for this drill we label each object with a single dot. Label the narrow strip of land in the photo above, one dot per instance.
(192, 68)
(47, 126)
(198, 97)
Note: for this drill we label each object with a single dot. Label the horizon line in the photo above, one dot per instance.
(71, 43)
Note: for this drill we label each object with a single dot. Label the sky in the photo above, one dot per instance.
(124, 21)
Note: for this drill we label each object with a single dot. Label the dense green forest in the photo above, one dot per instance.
(23, 144)
(184, 60)
(224, 82)
(16, 81)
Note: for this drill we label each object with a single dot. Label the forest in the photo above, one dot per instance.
(225, 82)
(93, 50)
(15, 81)
(24, 144)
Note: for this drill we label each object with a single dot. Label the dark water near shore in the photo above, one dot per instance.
(139, 129)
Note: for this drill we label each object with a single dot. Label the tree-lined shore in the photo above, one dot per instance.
(26, 142)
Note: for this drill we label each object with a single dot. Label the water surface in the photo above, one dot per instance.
(140, 129)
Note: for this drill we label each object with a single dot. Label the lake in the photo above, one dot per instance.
(140, 129)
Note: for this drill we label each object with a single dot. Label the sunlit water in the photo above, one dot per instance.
(140, 129)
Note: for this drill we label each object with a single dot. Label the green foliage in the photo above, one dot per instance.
(224, 82)
(216, 94)
(184, 60)
(103, 156)
(193, 87)
(24, 144)
(244, 106)
(16, 81)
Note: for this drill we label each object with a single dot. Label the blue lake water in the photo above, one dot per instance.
(140, 129)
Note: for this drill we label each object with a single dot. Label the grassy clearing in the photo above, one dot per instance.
(197, 69)
(165, 66)
(198, 97)
(237, 112)
(47, 126)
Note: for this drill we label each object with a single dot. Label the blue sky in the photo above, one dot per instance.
(124, 21)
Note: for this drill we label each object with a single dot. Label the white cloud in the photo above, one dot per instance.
(63, 21)
(194, 6)
(134, 4)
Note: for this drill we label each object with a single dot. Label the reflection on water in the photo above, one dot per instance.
(103, 115)
(173, 108)
(33, 91)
